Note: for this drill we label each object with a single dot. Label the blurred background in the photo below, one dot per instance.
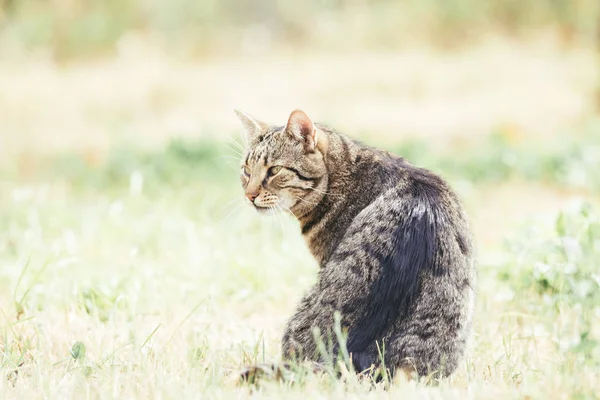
(121, 215)
(87, 74)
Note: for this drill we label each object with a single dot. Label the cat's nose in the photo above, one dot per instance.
(252, 196)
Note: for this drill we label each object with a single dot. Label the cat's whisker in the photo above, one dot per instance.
(325, 193)
(230, 161)
(235, 203)
(291, 212)
(243, 136)
(237, 207)
(286, 237)
(236, 148)
(283, 210)
(230, 157)
(272, 222)
(278, 216)
(305, 201)
(236, 143)
(237, 154)
(230, 203)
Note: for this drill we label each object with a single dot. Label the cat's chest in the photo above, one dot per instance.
(317, 247)
(322, 243)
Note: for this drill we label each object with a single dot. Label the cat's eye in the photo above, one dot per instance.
(246, 170)
(275, 170)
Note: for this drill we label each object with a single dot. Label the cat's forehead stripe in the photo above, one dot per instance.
(260, 151)
(265, 146)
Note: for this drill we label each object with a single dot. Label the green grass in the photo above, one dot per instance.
(146, 277)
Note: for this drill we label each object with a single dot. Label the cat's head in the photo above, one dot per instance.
(284, 166)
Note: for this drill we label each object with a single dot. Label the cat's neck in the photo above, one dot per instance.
(324, 225)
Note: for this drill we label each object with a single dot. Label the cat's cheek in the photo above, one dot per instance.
(287, 202)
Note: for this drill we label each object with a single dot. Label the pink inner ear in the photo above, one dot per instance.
(301, 124)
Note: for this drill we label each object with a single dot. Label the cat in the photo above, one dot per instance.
(392, 241)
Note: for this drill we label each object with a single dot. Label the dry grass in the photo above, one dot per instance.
(171, 298)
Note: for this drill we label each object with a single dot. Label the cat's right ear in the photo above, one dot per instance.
(252, 126)
(301, 127)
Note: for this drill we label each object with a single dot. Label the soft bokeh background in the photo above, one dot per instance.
(129, 266)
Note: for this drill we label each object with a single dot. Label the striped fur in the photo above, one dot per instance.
(391, 239)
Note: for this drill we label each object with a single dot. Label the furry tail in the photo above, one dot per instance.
(397, 287)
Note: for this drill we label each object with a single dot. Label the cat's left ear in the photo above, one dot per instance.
(252, 126)
(302, 128)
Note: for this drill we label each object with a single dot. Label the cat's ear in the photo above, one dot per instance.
(302, 128)
(252, 126)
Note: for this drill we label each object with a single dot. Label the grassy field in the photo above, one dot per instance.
(130, 267)
(144, 276)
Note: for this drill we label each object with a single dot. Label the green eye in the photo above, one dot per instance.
(246, 170)
(275, 170)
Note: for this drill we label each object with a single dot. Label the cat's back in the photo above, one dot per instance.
(419, 187)
(408, 202)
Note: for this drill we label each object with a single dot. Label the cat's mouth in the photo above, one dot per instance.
(268, 203)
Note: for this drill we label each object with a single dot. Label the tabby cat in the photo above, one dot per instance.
(391, 239)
